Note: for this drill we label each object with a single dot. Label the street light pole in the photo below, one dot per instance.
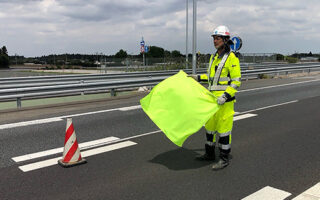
(194, 39)
(187, 34)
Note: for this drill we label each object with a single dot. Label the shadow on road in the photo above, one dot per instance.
(180, 159)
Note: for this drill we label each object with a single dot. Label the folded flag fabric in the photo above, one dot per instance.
(179, 106)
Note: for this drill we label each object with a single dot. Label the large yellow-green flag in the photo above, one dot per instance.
(179, 106)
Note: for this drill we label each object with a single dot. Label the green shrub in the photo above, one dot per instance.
(264, 76)
(291, 59)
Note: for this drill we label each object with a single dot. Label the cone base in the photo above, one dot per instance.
(71, 164)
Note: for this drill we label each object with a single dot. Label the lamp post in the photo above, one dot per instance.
(187, 60)
(194, 37)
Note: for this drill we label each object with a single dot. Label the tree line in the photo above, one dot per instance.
(4, 58)
(91, 60)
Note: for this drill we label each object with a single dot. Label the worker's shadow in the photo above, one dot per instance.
(180, 159)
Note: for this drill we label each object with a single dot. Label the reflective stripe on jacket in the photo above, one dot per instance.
(230, 78)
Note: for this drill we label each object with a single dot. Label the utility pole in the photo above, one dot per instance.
(194, 38)
(187, 34)
(144, 59)
(142, 43)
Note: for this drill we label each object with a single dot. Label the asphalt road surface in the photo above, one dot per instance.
(275, 150)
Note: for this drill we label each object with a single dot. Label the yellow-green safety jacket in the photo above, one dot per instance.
(224, 75)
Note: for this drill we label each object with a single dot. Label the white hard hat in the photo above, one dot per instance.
(221, 31)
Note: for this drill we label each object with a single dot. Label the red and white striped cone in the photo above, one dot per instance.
(71, 152)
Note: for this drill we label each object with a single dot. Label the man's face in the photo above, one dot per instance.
(218, 42)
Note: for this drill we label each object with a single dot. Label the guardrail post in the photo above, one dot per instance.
(82, 82)
(19, 102)
(113, 92)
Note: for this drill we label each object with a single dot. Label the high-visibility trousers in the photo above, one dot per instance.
(221, 123)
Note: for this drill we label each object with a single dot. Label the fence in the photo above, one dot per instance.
(39, 87)
(170, 63)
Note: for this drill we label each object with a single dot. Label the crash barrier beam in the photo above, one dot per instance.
(38, 92)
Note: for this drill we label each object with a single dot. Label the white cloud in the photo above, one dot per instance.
(38, 27)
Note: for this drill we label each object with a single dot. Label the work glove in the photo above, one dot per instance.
(222, 99)
(194, 76)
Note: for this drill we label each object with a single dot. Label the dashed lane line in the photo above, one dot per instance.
(239, 117)
(82, 146)
(130, 108)
(274, 86)
(271, 106)
(54, 161)
(268, 193)
(60, 118)
(104, 141)
(312, 193)
(28, 123)
(96, 143)
(55, 119)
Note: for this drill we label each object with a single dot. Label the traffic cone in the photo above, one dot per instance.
(71, 152)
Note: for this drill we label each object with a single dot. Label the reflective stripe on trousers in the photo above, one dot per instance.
(211, 138)
(224, 142)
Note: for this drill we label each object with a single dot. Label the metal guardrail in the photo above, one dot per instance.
(40, 79)
(22, 82)
(28, 87)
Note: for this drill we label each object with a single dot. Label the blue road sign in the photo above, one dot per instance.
(237, 44)
(146, 49)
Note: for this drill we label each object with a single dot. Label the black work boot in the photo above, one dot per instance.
(222, 162)
(209, 155)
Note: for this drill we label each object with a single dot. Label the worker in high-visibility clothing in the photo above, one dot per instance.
(224, 79)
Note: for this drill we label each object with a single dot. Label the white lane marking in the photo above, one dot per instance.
(60, 118)
(273, 86)
(100, 142)
(39, 165)
(27, 123)
(136, 136)
(312, 193)
(48, 120)
(268, 193)
(159, 131)
(108, 148)
(89, 113)
(130, 108)
(305, 77)
(239, 117)
(82, 146)
(54, 161)
(262, 108)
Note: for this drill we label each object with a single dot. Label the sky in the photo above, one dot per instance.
(42, 27)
